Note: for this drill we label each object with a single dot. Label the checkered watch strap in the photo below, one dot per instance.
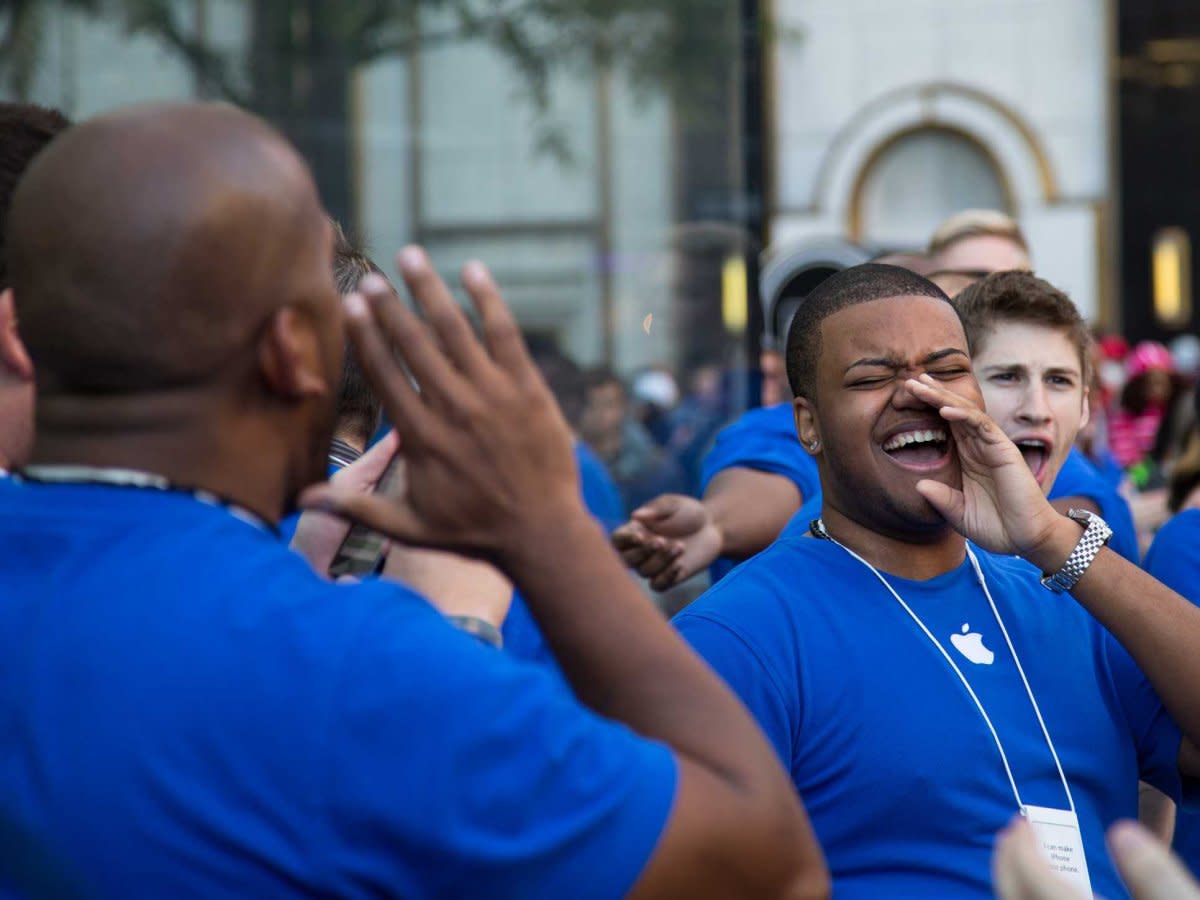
(1096, 534)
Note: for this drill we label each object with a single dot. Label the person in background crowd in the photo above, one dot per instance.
(1032, 356)
(25, 130)
(638, 465)
(954, 281)
(294, 736)
(922, 690)
(1146, 401)
(655, 396)
(978, 241)
(1184, 486)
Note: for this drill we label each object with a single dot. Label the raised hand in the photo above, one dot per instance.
(1000, 506)
(489, 459)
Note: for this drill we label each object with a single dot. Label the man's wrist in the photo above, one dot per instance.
(1052, 551)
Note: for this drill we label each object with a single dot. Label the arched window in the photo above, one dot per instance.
(916, 180)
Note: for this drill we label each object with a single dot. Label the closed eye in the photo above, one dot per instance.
(950, 373)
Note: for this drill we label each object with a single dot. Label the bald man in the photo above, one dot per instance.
(189, 709)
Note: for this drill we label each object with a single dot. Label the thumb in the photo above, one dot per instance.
(948, 501)
(661, 507)
(391, 517)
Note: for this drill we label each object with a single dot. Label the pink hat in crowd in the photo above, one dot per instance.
(1149, 355)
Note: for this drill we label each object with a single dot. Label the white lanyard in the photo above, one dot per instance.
(819, 529)
(133, 478)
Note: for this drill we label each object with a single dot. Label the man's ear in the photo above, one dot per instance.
(806, 425)
(1087, 408)
(13, 357)
(289, 356)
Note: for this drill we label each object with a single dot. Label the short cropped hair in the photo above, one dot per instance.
(25, 130)
(1022, 297)
(849, 287)
(358, 405)
(976, 223)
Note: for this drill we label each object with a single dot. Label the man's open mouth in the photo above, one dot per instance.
(1036, 453)
(919, 449)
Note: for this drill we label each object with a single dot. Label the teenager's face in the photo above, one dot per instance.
(877, 439)
(1032, 382)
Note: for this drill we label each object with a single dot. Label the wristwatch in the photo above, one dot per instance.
(1096, 534)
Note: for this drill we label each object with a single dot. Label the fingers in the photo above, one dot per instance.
(400, 399)
(389, 517)
(667, 579)
(948, 501)
(644, 552)
(1148, 867)
(661, 507)
(954, 408)
(500, 330)
(442, 312)
(365, 471)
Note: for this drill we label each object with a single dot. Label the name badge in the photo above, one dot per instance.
(1061, 842)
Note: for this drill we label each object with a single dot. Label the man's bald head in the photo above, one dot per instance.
(150, 247)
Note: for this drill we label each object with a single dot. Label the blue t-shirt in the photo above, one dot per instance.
(1079, 478)
(763, 439)
(898, 772)
(1174, 559)
(189, 711)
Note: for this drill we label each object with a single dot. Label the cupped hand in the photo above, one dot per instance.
(489, 458)
(1000, 506)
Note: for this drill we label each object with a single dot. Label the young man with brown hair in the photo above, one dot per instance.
(1031, 352)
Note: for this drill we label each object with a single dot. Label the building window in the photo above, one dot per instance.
(1171, 274)
(916, 180)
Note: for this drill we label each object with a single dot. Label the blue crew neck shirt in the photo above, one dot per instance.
(1174, 559)
(1080, 478)
(765, 440)
(190, 711)
(900, 776)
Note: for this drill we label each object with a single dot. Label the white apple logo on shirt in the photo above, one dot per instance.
(970, 645)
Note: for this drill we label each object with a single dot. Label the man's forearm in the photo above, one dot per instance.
(1159, 628)
(750, 508)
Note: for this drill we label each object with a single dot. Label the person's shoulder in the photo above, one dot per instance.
(1180, 534)
(778, 579)
(1182, 527)
(778, 418)
(1079, 477)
